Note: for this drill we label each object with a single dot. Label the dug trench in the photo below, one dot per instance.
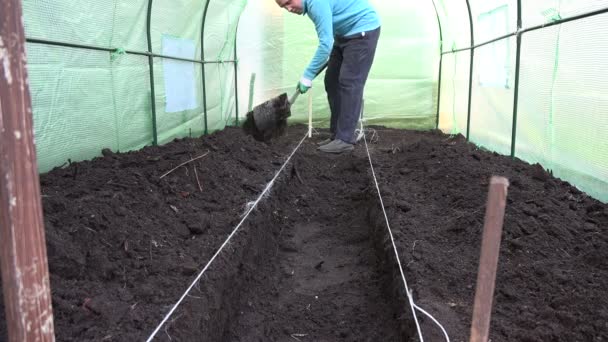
(313, 262)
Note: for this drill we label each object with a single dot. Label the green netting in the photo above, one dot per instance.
(563, 90)
(493, 18)
(541, 11)
(492, 95)
(220, 30)
(83, 104)
(455, 92)
(446, 106)
(99, 23)
(178, 18)
(86, 100)
(455, 24)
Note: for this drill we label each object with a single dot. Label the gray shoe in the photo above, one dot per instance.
(337, 146)
(325, 142)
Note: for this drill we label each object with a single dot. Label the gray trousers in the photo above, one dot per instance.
(347, 70)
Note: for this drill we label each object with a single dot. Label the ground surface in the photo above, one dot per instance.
(313, 262)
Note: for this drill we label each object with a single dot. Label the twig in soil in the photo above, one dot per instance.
(295, 171)
(169, 324)
(277, 241)
(169, 336)
(91, 229)
(295, 336)
(124, 277)
(414, 246)
(106, 243)
(197, 181)
(191, 296)
(184, 163)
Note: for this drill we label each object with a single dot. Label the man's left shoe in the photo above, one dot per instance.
(337, 146)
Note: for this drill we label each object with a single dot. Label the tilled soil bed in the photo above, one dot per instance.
(313, 262)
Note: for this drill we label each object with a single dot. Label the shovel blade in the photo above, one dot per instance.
(269, 119)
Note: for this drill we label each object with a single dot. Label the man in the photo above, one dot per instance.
(348, 32)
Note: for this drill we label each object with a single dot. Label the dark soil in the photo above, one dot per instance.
(313, 262)
(553, 269)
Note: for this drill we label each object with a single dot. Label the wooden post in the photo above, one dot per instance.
(23, 260)
(490, 246)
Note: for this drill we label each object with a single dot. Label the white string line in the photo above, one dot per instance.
(388, 226)
(268, 186)
(445, 333)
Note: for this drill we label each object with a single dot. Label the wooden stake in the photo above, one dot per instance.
(23, 260)
(490, 246)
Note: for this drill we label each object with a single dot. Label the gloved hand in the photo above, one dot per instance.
(304, 85)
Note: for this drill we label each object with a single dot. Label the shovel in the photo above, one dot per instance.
(269, 119)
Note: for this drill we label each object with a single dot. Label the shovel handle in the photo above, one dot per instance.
(293, 98)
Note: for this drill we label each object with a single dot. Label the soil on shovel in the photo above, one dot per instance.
(313, 262)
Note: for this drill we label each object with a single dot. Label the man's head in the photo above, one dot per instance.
(293, 6)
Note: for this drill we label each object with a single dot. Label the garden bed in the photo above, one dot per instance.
(313, 262)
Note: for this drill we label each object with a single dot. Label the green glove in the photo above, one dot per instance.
(304, 85)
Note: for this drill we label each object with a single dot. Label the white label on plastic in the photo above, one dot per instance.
(180, 86)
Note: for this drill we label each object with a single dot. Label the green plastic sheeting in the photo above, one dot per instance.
(85, 100)
(562, 91)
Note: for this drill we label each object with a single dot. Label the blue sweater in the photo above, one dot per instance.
(337, 18)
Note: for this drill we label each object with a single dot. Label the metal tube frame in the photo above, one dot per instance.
(532, 28)
(129, 52)
(236, 75)
(203, 67)
(151, 66)
(440, 64)
(470, 70)
(516, 86)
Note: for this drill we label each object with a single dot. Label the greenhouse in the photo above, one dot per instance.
(140, 199)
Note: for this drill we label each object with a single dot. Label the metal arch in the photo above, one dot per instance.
(236, 72)
(470, 70)
(440, 63)
(151, 67)
(516, 86)
(203, 67)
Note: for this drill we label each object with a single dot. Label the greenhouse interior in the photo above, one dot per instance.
(136, 204)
